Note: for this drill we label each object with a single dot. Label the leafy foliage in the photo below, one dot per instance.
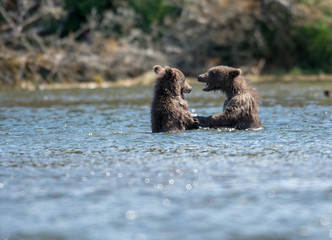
(315, 44)
(153, 12)
(78, 12)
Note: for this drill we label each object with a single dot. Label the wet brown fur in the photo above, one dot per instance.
(240, 110)
(169, 109)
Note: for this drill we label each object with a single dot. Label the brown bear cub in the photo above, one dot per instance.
(169, 110)
(240, 110)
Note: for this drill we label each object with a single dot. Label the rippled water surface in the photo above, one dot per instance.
(83, 164)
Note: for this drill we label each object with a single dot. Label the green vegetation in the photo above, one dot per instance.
(78, 11)
(315, 42)
(153, 12)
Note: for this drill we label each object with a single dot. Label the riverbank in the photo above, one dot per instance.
(85, 44)
(148, 79)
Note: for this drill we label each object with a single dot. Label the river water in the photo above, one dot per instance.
(83, 164)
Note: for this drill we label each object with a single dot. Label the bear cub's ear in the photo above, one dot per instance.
(159, 70)
(168, 71)
(236, 72)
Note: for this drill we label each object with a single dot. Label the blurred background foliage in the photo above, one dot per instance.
(69, 40)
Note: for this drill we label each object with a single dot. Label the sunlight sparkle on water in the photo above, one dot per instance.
(188, 186)
(167, 202)
(147, 180)
(325, 220)
(131, 215)
(91, 168)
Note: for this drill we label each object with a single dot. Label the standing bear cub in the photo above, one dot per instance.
(240, 110)
(169, 110)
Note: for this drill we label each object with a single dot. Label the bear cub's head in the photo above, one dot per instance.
(219, 78)
(171, 81)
